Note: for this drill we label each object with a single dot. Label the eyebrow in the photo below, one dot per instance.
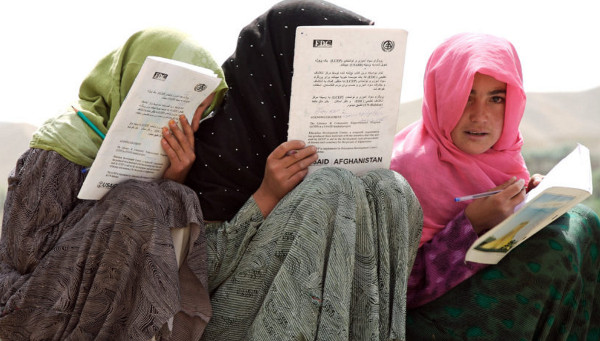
(496, 92)
(493, 92)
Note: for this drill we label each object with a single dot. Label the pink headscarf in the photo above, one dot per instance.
(424, 153)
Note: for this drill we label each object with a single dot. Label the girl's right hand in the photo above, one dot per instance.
(286, 166)
(178, 144)
(485, 213)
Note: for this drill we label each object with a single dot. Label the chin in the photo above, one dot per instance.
(472, 150)
(476, 147)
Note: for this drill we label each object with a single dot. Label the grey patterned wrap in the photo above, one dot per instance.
(106, 270)
(331, 262)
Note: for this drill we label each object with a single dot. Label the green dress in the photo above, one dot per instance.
(548, 288)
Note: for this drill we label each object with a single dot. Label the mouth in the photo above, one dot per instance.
(475, 133)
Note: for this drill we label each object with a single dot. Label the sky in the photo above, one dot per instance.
(48, 47)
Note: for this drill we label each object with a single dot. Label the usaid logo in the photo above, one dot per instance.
(322, 43)
(388, 46)
(200, 87)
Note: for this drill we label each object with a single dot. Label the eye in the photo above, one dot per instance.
(498, 99)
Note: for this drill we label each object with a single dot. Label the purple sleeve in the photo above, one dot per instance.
(440, 263)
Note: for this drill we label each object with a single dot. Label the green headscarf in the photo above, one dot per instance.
(105, 88)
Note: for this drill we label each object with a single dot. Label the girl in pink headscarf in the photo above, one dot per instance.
(468, 139)
(467, 142)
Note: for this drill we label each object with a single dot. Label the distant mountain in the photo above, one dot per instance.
(551, 120)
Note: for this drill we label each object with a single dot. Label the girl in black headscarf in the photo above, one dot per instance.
(330, 259)
(232, 148)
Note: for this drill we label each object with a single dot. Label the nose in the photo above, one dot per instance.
(478, 112)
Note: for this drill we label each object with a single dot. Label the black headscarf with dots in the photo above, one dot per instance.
(232, 148)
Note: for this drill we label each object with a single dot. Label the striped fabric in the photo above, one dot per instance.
(331, 262)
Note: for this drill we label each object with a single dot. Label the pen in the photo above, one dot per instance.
(476, 196)
(88, 122)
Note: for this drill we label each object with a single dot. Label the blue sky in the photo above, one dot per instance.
(49, 47)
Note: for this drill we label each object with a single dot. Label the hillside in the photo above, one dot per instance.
(564, 117)
(551, 120)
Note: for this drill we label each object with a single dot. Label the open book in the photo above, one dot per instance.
(162, 90)
(345, 97)
(566, 185)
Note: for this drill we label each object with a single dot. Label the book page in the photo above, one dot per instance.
(566, 185)
(163, 90)
(346, 94)
(574, 170)
(515, 230)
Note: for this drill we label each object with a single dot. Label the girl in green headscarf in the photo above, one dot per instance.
(75, 269)
(103, 91)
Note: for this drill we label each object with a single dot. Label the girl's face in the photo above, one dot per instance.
(200, 110)
(480, 125)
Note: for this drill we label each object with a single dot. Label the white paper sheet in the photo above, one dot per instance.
(346, 93)
(163, 90)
